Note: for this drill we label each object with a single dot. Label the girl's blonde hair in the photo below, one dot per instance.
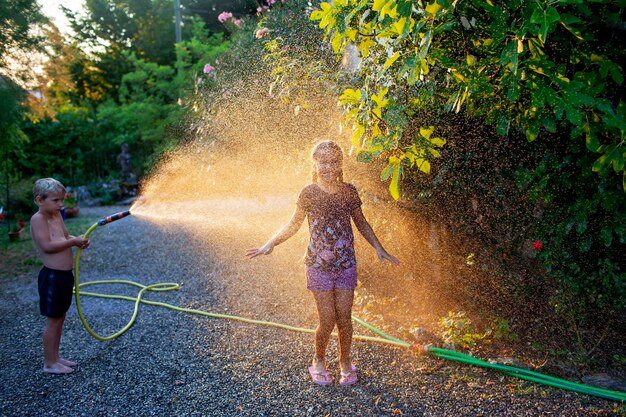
(45, 186)
(326, 145)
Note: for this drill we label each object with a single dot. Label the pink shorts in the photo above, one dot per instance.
(317, 280)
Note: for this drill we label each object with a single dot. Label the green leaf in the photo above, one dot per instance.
(509, 56)
(336, 42)
(591, 139)
(350, 96)
(378, 5)
(389, 62)
(426, 132)
(612, 156)
(606, 235)
(433, 8)
(438, 141)
(544, 19)
(394, 185)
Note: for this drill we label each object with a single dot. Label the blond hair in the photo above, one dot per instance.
(45, 186)
(323, 145)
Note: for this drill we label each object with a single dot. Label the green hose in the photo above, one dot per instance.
(509, 370)
(384, 337)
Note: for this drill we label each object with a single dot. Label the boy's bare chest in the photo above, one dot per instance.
(55, 228)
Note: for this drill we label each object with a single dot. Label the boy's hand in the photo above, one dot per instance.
(383, 255)
(81, 242)
(263, 250)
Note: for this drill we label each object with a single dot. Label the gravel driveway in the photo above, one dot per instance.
(176, 364)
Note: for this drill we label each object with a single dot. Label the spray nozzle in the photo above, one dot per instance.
(113, 217)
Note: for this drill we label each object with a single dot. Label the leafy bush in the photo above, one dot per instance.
(545, 83)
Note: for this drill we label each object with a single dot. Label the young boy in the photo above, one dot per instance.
(56, 280)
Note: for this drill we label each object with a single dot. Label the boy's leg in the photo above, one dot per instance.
(325, 301)
(343, 307)
(58, 343)
(51, 340)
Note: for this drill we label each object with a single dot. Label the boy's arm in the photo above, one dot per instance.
(41, 235)
(366, 230)
(285, 233)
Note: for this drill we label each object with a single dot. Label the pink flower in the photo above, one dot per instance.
(180, 101)
(224, 16)
(537, 245)
(237, 22)
(208, 69)
(262, 32)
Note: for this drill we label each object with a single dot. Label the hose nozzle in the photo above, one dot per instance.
(113, 217)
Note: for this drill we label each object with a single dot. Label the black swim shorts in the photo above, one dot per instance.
(55, 291)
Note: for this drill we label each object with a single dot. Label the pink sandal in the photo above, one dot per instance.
(348, 378)
(320, 378)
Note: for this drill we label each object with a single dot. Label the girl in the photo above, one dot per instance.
(329, 203)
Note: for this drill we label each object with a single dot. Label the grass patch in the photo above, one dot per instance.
(18, 258)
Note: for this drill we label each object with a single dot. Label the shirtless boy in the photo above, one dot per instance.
(56, 280)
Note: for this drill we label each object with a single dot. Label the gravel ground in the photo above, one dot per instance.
(176, 364)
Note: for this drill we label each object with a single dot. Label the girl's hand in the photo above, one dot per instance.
(263, 250)
(383, 255)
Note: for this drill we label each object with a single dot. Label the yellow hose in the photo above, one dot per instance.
(170, 286)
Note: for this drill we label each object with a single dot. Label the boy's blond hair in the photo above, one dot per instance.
(45, 186)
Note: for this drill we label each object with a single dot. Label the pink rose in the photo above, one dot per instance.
(224, 16)
(262, 32)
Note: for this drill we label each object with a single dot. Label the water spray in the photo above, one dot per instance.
(381, 337)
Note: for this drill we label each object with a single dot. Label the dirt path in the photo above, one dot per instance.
(176, 364)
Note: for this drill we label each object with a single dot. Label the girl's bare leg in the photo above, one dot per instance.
(343, 308)
(325, 301)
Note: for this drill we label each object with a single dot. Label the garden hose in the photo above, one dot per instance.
(384, 337)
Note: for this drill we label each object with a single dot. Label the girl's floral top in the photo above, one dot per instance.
(331, 247)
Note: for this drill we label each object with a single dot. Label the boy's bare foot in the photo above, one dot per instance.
(67, 362)
(58, 368)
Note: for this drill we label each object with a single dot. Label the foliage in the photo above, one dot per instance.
(545, 73)
(20, 203)
(17, 19)
(527, 65)
(93, 111)
(501, 330)
(457, 329)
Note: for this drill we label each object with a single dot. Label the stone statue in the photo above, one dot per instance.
(128, 180)
(126, 165)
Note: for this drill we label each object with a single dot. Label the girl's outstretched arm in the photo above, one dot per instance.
(285, 233)
(368, 233)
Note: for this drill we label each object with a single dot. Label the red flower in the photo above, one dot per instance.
(537, 245)
(20, 223)
(1, 217)
(67, 195)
